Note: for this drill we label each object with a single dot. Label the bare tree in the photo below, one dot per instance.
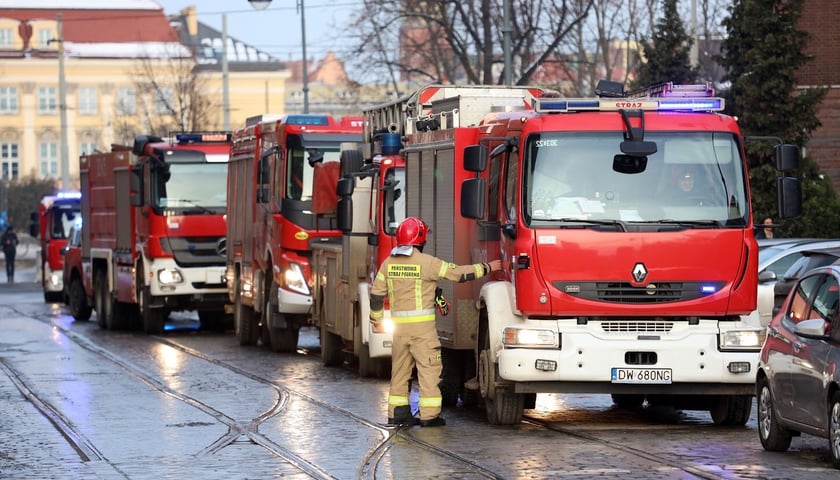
(171, 95)
(445, 41)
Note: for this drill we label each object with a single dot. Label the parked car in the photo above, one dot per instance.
(798, 376)
(775, 257)
(809, 260)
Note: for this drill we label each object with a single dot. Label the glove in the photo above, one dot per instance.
(441, 303)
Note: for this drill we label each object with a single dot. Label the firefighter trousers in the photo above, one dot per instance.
(417, 345)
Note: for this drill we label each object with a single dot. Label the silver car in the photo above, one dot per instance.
(798, 377)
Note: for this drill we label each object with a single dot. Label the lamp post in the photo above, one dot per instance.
(262, 5)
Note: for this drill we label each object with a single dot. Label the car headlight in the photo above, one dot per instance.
(294, 279)
(530, 337)
(742, 339)
(168, 276)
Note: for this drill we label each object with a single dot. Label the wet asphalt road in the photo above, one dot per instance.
(80, 402)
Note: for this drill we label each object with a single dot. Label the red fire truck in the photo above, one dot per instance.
(626, 229)
(153, 239)
(56, 216)
(273, 223)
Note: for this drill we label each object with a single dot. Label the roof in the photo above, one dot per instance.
(104, 29)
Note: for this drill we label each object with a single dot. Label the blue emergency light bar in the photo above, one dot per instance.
(306, 119)
(203, 137)
(70, 195)
(554, 105)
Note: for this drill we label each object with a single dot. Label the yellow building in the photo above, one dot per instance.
(125, 71)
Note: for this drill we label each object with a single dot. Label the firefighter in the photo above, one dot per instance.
(409, 278)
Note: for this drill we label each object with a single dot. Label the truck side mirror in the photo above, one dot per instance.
(790, 197)
(475, 158)
(136, 185)
(786, 157)
(473, 198)
(344, 214)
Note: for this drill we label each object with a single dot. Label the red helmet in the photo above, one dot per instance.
(412, 231)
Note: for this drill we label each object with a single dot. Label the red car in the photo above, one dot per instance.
(75, 293)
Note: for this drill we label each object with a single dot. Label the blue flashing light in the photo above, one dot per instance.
(70, 195)
(708, 289)
(203, 137)
(322, 120)
(692, 104)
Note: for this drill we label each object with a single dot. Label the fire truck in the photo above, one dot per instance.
(274, 221)
(376, 187)
(153, 239)
(56, 216)
(625, 225)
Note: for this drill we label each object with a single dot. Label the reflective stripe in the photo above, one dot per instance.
(397, 400)
(413, 313)
(479, 270)
(377, 313)
(380, 276)
(413, 316)
(443, 267)
(418, 294)
(430, 402)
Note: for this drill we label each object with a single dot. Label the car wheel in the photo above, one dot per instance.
(773, 436)
(834, 429)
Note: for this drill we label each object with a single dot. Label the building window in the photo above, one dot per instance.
(126, 101)
(45, 35)
(86, 148)
(9, 166)
(8, 100)
(87, 101)
(48, 157)
(47, 100)
(163, 101)
(6, 38)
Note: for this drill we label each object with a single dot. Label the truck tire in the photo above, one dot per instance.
(101, 299)
(731, 409)
(80, 309)
(244, 321)
(154, 319)
(502, 406)
(283, 339)
(332, 347)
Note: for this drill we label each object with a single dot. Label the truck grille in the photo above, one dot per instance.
(194, 251)
(623, 292)
(637, 327)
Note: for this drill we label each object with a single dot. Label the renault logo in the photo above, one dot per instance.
(639, 272)
(221, 247)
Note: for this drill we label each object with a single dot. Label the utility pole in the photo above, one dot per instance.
(62, 107)
(225, 87)
(506, 42)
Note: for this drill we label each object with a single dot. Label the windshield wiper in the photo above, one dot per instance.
(195, 207)
(689, 223)
(622, 227)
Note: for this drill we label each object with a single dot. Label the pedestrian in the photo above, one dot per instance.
(409, 278)
(766, 230)
(10, 243)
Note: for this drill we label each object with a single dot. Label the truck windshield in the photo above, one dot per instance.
(693, 177)
(299, 173)
(63, 219)
(194, 187)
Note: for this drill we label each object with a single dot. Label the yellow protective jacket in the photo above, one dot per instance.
(410, 282)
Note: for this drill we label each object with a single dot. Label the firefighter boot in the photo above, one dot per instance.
(433, 422)
(403, 416)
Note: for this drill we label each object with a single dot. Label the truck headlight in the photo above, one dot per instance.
(294, 279)
(742, 339)
(530, 337)
(55, 280)
(168, 276)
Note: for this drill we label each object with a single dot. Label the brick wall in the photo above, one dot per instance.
(820, 18)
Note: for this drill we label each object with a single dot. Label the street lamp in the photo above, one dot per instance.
(262, 5)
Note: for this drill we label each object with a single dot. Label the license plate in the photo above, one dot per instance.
(214, 276)
(641, 375)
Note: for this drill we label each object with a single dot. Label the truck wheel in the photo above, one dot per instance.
(77, 300)
(773, 436)
(731, 409)
(154, 319)
(101, 299)
(283, 339)
(502, 406)
(244, 321)
(331, 347)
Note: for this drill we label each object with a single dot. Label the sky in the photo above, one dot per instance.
(277, 29)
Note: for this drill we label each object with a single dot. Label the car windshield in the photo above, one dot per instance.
(579, 176)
